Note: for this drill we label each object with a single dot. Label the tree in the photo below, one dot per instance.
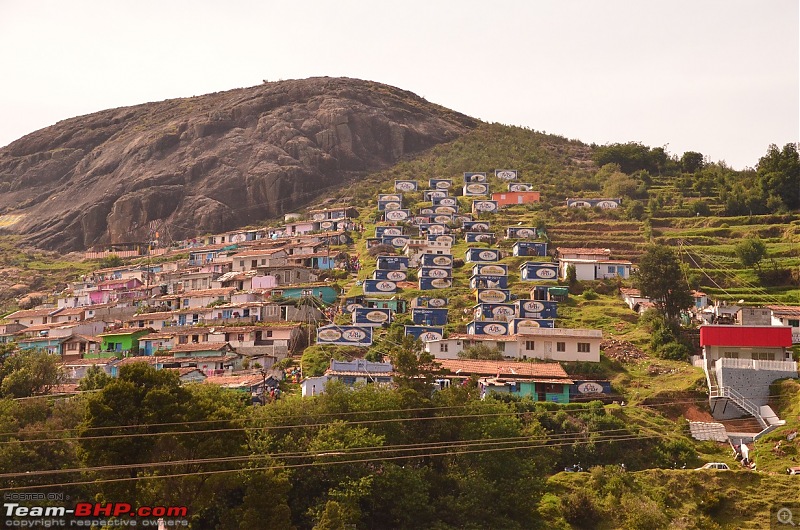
(691, 162)
(660, 278)
(30, 372)
(750, 252)
(779, 174)
(110, 261)
(481, 351)
(413, 365)
(95, 379)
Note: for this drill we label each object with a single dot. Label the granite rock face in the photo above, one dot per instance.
(209, 163)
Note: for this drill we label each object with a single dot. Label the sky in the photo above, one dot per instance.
(716, 76)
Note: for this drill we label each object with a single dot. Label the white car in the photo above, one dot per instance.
(793, 470)
(714, 465)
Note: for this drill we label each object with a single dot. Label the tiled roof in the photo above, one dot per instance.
(161, 315)
(787, 310)
(28, 313)
(200, 346)
(507, 368)
(89, 362)
(235, 381)
(628, 291)
(209, 292)
(584, 250)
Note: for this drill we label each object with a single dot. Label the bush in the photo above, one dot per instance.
(674, 351)
(579, 509)
(382, 250)
(481, 351)
(589, 294)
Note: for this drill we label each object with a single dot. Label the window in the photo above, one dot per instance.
(611, 269)
(501, 346)
(584, 347)
(183, 339)
(263, 261)
(241, 263)
(561, 346)
(269, 333)
(762, 356)
(731, 355)
(308, 292)
(529, 344)
(72, 346)
(240, 337)
(795, 323)
(443, 348)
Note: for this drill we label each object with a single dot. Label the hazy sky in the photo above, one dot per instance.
(719, 77)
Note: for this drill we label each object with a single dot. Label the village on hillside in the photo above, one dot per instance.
(245, 301)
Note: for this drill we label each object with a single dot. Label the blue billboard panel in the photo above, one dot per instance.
(479, 237)
(392, 263)
(435, 272)
(426, 316)
(367, 316)
(437, 260)
(389, 205)
(536, 308)
(429, 301)
(490, 269)
(440, 184)
(443, 238)
(425, 333)
(591, 203)
(445, 210)
(533, 270)
(493, 296)
(379, 287)
(479, 327)
(390, 197)
(506, 174)
(405, 185)
(395, 241)
(396, 215)
(583, 389)
(445, 201)
(433, 228)
(431, 284)
(430, 195)
(481, 254)
(519, 186)
(381, 231)
(392, 276)
(476, 189)
(529, 248)
(521, 232)
(484, 206)
(488, 281)
(345, 335)
(530, 325)
(475, 226)
(503, 312)
(474, 177)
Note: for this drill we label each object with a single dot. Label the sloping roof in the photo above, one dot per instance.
(785, 310)
(28, 313)
(507, 368)
(161, 315)
(628, 291)
(89, 362)
(209, 292)
(746, 336)
(584, 250)
(201, 346)
(235, 381)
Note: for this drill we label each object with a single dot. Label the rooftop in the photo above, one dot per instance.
(498, 368)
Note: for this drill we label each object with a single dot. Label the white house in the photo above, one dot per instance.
(783, 315)
(595, 269)
(415, 248)
(349, 373)
(552, 344)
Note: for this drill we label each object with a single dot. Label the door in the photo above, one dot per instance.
(548, 349)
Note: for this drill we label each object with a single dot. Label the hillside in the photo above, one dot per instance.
(208, 163)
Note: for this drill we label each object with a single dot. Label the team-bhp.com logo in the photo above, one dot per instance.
(94, 514)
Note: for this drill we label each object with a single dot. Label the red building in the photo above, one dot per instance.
(509, 198)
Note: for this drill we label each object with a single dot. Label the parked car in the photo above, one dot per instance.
(793, 470)
(714, 465)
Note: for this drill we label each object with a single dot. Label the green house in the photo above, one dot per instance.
(326, 293)
(120, 342)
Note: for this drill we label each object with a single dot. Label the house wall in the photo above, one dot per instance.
(712, 353)
(313, 386)
(546, 348)
(753, 384)
(787, 321)
(603, 271)
(583, 271)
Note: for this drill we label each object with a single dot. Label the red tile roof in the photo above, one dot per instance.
(507, 368)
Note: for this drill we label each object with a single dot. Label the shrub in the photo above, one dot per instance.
(589, 294)
(674, 351)
(579, 509)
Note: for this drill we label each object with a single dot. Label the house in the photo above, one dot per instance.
(77, 346)
(782, 315)
(156, 321)
(740, 363)
(634, 299)
(593, 269)
(510, 198)
(415, 248)
(8, 331)
(583, 253)
(68, 314)
(254, 384)
(539, 381)
(75, 369)
(754, 316)
(190, 375)
(31, 317)
(49, 344)
(121, 342)
(254, 259)
(553, 344)
(203, 298)
(325, 292)
(349, 373)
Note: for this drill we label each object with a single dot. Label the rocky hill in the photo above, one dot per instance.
(208, 163)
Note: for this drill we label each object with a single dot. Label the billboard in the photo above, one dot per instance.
(398, 197)
(484, 206)
(352, 303)
(445, 210)
(475, 226)
(591, 203)
(433, 228)
(425, 333)
(379, 287)
(530, 325)
(396, 215)
(427, 316)
(521, 232)
(482, 254)
(395, 241)
(519, 186)
(381, 231)
(493, 296)
(392, 263)
(536, 309)
(502, 312)
(491, 269)
(392, 276)
(389, 205)
(440, 184)
(345, 335)
(488, 281)
(530, 248)
(478, 327)
(442, 238)
(405, 185)
(445, 201)
(533, 270)
(367, 316)
(476, 189)
(431, 284)
(430, 195)
(506, 174)
(437, 260)
(474, 177)
(426, 211)
(429, 301)
(435, 272)
(479, 237)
